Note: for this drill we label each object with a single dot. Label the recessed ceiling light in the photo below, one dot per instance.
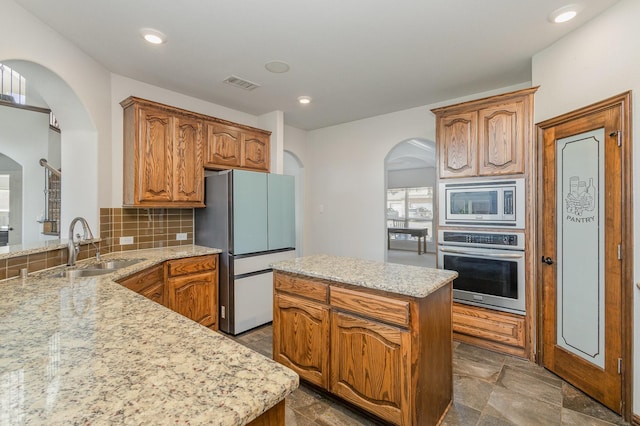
(153, 36)
(277, 67)
(564, 14)
(304, 100)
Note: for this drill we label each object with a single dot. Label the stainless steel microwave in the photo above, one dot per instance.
(494, 203)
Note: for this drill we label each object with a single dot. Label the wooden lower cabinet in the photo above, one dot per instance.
(192, 286)
(194, 297)
(389, 354)
(308, 321)
(495, 330)
(368, 359)
(149, 283)
(188, 286)
(274, 416)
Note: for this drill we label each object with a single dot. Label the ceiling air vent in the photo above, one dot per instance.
(240, 82)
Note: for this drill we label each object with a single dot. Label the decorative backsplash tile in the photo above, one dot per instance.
(148, 228)
(11, 267)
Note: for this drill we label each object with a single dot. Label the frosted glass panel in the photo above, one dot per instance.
(580, 238)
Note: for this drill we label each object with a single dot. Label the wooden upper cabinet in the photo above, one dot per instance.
(255, 151)
(166, 150)
(154, 156)
(458, 135)
(234, 146)
(486, 137)
(223, 145)
(162, 159)
(188, 170)
(501, 139)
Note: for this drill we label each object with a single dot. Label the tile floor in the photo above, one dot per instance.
(490, 389)
(427, 260)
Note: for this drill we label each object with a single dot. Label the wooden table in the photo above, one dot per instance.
(414, 232)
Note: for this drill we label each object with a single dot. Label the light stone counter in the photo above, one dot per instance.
(10, 251)
(407, 280)
(89, 351)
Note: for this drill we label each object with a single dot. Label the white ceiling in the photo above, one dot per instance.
(355, 58)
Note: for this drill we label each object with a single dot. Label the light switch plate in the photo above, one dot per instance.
(181, 236)
(126, 240)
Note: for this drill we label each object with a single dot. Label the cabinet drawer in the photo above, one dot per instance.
(304, 287)
(379, 307)
(498, 327)
(141, 280)
(192, 264)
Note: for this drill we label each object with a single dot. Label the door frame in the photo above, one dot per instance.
(622, 100)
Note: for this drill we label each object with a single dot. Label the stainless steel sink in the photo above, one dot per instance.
(95, 269)
(79, 273)
(114, 264)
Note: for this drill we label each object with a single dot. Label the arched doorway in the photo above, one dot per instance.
(410, 179)
(76, 142)
(10, 201)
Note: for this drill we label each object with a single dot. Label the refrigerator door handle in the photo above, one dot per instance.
(251, 274)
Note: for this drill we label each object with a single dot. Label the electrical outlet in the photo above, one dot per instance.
(181, 236)
(126, 240)
(222, 312)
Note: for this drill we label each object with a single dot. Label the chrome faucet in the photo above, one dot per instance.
(73, 246)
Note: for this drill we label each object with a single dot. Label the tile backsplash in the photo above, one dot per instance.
(147, 228)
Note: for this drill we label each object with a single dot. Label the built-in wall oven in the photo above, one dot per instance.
(490, 266)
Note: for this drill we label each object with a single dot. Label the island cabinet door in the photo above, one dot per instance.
(370, 364)
(301, 337)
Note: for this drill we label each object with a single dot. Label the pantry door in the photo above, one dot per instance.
(585, 249)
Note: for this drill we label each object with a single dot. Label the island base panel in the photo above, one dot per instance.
(272, 417)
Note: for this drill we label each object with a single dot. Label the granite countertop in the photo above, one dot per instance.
(407, 280)
(89, 351)
(10, 251)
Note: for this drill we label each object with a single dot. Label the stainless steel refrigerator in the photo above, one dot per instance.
(250, 216)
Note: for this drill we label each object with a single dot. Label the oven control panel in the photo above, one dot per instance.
(507, 240)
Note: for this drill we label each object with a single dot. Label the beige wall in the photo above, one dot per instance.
(62, 68)
(590, 64)
(345, 173)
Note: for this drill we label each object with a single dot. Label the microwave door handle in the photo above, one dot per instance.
(483, 254)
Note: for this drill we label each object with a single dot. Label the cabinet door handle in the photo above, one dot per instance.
(547, 260)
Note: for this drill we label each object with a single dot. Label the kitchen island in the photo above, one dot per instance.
(90, 351)
(378, 335)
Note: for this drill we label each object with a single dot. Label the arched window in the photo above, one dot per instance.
(12, 86)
